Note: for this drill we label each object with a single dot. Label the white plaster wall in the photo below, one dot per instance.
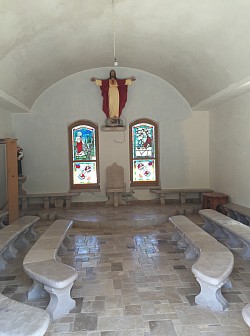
(5, 124)
(43, 133)
(230, 149)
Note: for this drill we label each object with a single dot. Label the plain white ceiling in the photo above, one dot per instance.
(201, 47)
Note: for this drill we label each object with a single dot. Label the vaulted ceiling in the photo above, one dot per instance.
(201, 47)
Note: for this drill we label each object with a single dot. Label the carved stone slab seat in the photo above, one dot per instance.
(16, 235)
(246, 314)
(18, 319)
(231, 232)
(214, 262)
(43, 266)
(238, 212)
(57, 199)
(115, 185)
(182, 193)
(3, 218)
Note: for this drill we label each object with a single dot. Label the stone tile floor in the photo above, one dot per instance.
(132, 281)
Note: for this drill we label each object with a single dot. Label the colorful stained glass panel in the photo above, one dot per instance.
(143, 137)
(83, 143)
(84, 172)
(144, 170)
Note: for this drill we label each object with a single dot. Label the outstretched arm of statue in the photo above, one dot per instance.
(130, 80)
(97, 81)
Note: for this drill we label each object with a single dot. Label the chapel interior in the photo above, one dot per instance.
(179, 145)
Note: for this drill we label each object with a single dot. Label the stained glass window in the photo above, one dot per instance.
(84, 165)
(143, 153)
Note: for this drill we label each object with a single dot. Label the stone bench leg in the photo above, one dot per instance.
(182, 244)
(10, 252)
(208, 226)
(36, 291)
(191, 253)
(248, 220)
(232, 241)
(3, 262)
(116, 199)
(67, 240)
(62, 249)
(219, 233)
(245, 252)
(162, 199)
(176, 236)
(210, 296)
(183, 198)
(61, 302)
(46, 202)
(231, 214)
(242, 219)
(21, 240)
(228, 284)
(31, 234)
(68, 201)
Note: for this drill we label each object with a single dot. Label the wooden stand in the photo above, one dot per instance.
(12, 178)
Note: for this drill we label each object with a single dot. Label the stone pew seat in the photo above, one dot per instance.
(246, 314)
(43, 266)
(214, 262)
(181, 192)
(238, 212)
(59, 200)
(15, 235)
(231, 232)
(19, 319)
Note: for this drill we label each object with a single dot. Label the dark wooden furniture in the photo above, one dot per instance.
(213, 200)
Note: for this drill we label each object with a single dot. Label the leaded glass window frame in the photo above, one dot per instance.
(84, 155)
(144, 157)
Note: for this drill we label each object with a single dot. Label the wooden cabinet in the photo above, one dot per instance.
(214, 200)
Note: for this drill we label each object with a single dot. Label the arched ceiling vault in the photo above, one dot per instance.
(201, 47)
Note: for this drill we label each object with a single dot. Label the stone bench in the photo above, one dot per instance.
(17, 234)
(43, 266)
(238, 212)
(214, 262)
(59, 200)
(17, 319)
(3, 218)
(246, 314)
(182, 193)
(231, 232)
